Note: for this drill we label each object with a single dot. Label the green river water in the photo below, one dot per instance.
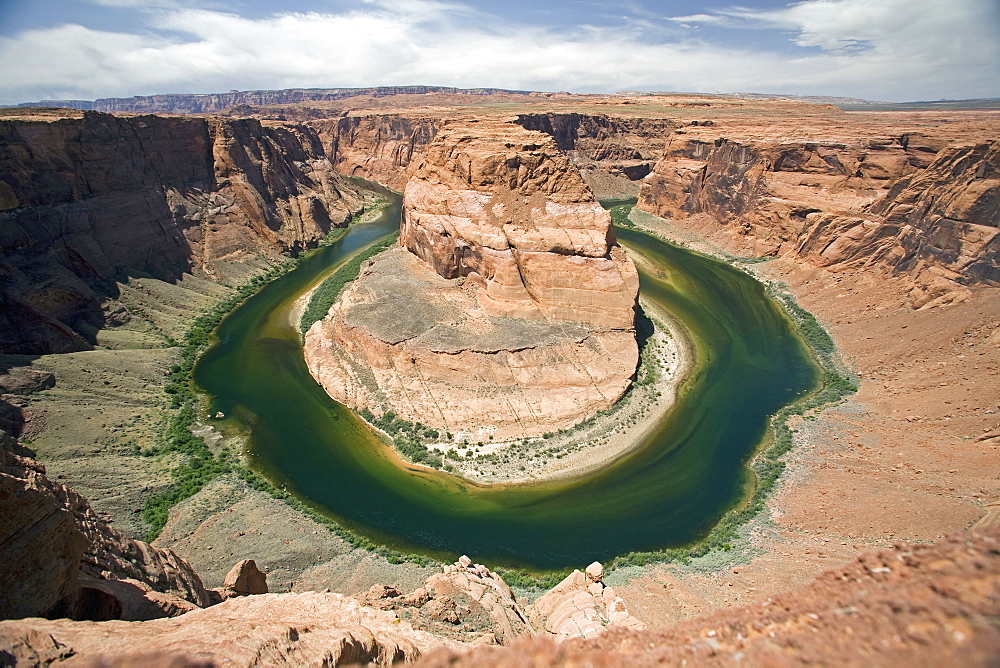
(667, 492)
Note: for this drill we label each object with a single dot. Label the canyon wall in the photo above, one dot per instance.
(911, 206)
(624, 147)
(505, 206)
(91, 200)
(512, 313)
(181, 103)
(377, 147)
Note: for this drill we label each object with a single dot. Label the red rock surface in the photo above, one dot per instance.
(519, 321)
(926, 605)
(89, 200)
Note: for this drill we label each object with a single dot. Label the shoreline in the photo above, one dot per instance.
(597, 442)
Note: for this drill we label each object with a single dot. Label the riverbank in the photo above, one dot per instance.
(911, 457)
(597, 442)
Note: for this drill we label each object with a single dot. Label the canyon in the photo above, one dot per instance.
(882, 224)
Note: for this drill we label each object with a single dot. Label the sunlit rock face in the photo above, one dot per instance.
(509, 310)
(501, 204)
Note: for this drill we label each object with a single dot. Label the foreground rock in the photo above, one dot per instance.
(582, 606)
(913, 605)
(61, 559)
(465, 602)
(271, 629)
(519, 320)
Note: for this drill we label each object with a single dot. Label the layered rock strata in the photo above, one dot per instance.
(910, 206)
(512, 313)
(377, 147)
(61, 559)
(90, 200)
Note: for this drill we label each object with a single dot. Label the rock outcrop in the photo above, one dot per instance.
(61, 559)
(582, 606)
(504, 207)
(91, 200)
(272, 629)
(826, 204)
(519, 320)
(466, 602)
(912, 605)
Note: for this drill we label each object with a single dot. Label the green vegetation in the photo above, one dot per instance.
(619, 215)
(408, 438)
(326, 294)
(198, 465)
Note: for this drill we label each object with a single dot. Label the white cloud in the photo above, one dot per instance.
(881, 49)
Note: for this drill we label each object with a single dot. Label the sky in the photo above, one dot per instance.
(892, 50)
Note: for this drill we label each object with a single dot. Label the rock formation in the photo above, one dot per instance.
(519, 320)
(622, 148)
(243, 579)
(582, 606)
(379, 148)
(61, 559)
(465, 602)
(924, 604)
(912, 605)
(937, 223)
(180, 103)
(271, 629)
(94, 199)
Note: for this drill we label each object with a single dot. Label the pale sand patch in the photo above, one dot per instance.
(584, 449)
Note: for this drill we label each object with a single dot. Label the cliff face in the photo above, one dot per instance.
(378, 147)
(85, 202)
(519, 318)
(625, 147)
(504, 207)
(828, 204)
(180, 103)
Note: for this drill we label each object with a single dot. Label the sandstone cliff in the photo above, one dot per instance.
(503, 206)
(911, 206)
(377, 147)
(88, 201)
(626, 148)
(519, 320)
(180, 103)
(61, 559)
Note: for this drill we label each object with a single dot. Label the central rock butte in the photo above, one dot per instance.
(509, 309)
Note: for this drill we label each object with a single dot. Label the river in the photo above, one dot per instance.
(667, 492)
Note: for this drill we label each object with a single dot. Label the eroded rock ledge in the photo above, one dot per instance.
(513, 312)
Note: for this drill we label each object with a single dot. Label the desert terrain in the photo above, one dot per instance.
(882, 224)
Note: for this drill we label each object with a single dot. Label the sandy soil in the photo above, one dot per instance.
(912, 456)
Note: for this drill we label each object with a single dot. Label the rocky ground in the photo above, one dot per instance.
(912, 456)
(595, 443)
